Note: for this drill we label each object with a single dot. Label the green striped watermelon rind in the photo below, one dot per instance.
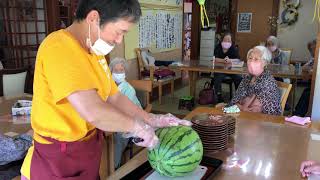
(180, 151)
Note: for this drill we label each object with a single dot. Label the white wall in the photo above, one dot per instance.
(298, 35)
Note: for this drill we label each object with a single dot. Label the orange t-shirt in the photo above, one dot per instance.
(62, 68)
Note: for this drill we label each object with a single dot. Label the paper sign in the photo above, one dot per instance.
(11, 134)
(244, 22)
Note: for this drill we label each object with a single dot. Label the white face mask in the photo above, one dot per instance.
(100, 47)
(119, 77)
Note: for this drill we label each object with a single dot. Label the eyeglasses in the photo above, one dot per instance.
(251, 59)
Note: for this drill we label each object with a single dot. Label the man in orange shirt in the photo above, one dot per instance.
(75, 98)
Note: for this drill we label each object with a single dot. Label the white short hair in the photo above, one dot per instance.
(274, 40)
(266, 54)
(116, 61)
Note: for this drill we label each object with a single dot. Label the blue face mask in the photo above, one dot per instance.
(119, 77)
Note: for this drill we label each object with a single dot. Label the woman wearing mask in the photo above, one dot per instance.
(258, 91)
(278, 56)
(225, 53)
(312, 49)
(75, 98)
(118, 68)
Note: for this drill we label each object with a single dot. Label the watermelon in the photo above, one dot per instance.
(179, 152)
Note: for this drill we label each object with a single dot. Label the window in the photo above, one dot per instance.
(22, 28)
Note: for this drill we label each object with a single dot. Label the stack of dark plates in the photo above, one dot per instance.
(213, 131)
(231, 125)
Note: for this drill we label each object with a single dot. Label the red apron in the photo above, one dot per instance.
(78, 160)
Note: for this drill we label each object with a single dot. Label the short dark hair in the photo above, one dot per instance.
(109, 10)
(227, 33)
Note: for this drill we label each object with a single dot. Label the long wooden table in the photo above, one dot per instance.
(263, 147)
(283, 71)
(7, 125)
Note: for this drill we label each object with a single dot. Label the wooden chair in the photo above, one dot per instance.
(227, 80)
(288, 53)
(155, 83)
(285, 91)
(107, 156)
(13, 82)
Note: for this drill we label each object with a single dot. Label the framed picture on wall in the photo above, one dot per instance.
(244, 22)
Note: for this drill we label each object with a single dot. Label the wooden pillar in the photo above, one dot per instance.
(52, 15)
(275, 13)
(233, 18)
(195, 31)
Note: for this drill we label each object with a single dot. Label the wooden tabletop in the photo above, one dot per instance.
(263, 147)
(284, 71)
(6, 120)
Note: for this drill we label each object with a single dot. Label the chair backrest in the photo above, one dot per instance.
(13, 81)
(285, 89)
(146, 86)
(141, 64)
(288, 53)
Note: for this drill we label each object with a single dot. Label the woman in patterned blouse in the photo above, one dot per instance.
(258, 90)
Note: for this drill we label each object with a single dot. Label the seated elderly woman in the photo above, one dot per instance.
(118, 68)
(258, 90)
(278, 56)
(302, 107)
(311, 48)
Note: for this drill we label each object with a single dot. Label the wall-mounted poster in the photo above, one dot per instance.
(244, 22)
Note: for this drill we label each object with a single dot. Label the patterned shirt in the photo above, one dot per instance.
(266, 90)
(13, 149)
